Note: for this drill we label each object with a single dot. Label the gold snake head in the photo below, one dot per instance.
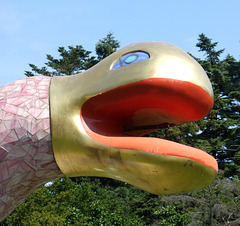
(98, 116)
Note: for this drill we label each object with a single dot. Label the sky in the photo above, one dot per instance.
(30, 29)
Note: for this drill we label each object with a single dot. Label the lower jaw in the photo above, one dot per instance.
(157, 166)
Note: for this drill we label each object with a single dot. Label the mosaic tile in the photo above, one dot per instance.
(3, 153)
(26, 156)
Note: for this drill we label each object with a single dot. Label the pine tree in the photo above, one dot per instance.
(75, 59)
(221, 129)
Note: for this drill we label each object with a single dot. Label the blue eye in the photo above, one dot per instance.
(131, 58)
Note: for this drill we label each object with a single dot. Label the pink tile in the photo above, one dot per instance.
(10, 124)
(25, 140)
(31, 176)
(41, 134)
(13, 94)
(44, 124)
(3, 153)
(23, 123)
(45, 81)
(16, 153)
(35, 112)
(49, 165)
(44, 114)
(25, 167)
(20, 131)
(31, 82)
(32, 129)
(11, 109)
(4, 171)
(3, 99)
(2, 114)
(9, 116)
(26, 135)
(3, 135)
(2, 128)
(29, 156)
(13, 165)
(5, 198)
(16, 179)
(11, 137)
(45, 156)
(27, 92)
(43, 148)
(21, 112)
(9, 87)
(11, 100)
(43, 94)
(18, 101)
(20, 81)
(30, 103)
(43, 87)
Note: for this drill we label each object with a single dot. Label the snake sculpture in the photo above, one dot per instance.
(91, 124)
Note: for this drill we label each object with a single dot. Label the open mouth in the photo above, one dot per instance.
(119, 117)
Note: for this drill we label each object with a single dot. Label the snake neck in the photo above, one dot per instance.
(26, 155)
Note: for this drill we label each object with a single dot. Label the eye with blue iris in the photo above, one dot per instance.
(131, 58)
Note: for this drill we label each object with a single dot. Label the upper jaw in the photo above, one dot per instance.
(165, 61)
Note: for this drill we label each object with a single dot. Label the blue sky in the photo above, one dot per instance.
(30, 29)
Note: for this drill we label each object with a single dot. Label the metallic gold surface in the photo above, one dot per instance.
(77, 154)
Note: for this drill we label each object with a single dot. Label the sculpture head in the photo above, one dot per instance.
(98, 116)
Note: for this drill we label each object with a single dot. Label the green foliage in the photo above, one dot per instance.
(94, 201)
(169, 216)
(65, 202)
(205, 45)
(106, 46)
(221, 127)
(72, 61)
(75, 59)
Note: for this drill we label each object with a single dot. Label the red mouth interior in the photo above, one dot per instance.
(148, 102)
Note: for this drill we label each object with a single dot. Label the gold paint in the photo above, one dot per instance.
(79, 155)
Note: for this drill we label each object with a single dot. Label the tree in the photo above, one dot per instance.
(75, 59)
(205, 45)
(65, 202)
(221, 128)
(106, 46)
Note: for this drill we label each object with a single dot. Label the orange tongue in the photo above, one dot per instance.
(155, 145)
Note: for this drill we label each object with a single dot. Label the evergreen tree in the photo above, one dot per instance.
(221, 129)
(106, 46)
(75, 59)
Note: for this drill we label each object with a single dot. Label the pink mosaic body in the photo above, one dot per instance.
(26, 156)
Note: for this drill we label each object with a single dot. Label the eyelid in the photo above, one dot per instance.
(130, 58)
